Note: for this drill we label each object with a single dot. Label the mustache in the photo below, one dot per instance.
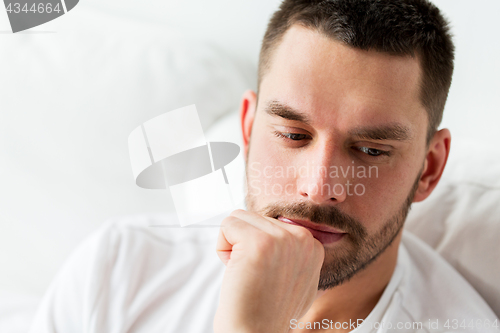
(327, 215)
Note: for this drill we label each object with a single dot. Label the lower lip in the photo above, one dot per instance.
(323, 236)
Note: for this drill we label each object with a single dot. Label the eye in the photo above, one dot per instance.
(291, 136)
(372, 151)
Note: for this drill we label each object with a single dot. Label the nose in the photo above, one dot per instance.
(323, 182)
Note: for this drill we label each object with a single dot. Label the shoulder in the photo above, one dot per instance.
(162, 226)
(432, 290)
(132, 271)
(152, 239)
(136, 233)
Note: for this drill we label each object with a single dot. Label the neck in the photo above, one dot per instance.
(356, 298)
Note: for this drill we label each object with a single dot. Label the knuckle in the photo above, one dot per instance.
(303, 234)
(228, 221)
(282, 235)
(237, 212)
(319, 250)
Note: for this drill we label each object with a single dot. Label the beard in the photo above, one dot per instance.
(360, 249)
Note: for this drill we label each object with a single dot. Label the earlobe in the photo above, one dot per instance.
(248, 107)
(435, 161)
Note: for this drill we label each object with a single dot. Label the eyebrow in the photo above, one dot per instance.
(395, 132)
(277, 109)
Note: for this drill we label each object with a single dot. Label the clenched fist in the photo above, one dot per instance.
(272, 273)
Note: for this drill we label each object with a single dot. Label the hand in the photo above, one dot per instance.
(272, 273)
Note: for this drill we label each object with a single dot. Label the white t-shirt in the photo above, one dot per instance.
(131, 277)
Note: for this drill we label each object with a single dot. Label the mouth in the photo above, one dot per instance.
(325, 234)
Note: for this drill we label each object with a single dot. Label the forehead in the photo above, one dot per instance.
(336, 83)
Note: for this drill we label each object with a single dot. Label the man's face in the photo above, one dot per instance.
(338, 139)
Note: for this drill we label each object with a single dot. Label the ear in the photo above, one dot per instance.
(247, 114)
(435, 161)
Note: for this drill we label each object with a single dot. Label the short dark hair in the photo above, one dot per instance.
(397, 27)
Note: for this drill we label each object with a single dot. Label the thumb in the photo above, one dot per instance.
(223, 248)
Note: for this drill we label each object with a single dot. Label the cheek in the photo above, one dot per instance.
(268, 171)
(386, 191)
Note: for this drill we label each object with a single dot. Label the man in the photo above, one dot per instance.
(354, 92)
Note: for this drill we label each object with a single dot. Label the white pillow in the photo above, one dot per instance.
(460, 219)
(69, 102)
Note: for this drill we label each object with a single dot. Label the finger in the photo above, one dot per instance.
(271, 225)
(281, 230)
(223, 248)
(233, 231)
(264, 223)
